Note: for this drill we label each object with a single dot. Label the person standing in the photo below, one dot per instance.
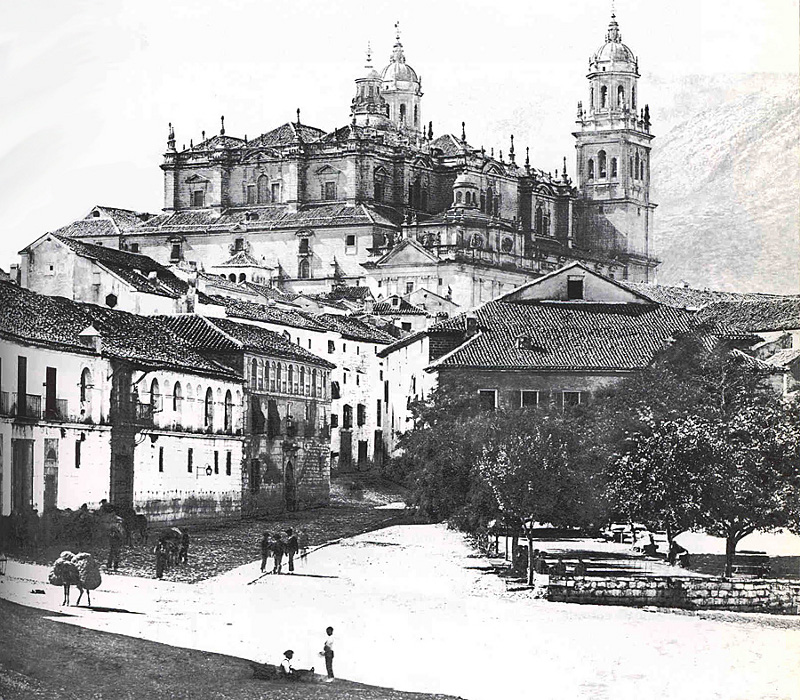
(277, 553)
(302, 542)
(291, 548)
(114, 546)
(327, 652)
(266, 550)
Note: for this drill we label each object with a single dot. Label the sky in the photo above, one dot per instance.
(89, 86)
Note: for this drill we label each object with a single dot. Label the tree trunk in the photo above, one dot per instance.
(730, 551)
(514, 544)
(530, 556)
(669, 535)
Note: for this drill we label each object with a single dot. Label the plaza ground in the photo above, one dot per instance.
(416, 609)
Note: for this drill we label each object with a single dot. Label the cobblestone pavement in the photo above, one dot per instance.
(415, 609)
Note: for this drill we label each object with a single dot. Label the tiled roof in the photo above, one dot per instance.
(86, 228)
(58, 322)
(272, 293)
(240, 259)
(236, 308)
(125, 219)
(404, 307)
(224, 335)
(270, 217)
(220, 282)
(783, 358)
(350, 293)
(134, 268)
(217, 142)
(269, 342)
(564, 336)
(764, 315)
(686, 297)
(286, 134)
(448, 144)
(352, 328)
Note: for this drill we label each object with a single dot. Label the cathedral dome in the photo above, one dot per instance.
(399, 71)
(613, 51)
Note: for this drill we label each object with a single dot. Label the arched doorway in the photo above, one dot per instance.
(290, 488)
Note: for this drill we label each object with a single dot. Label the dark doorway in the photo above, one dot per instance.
(290, 487)
(50, 409)
(21, 475)
(22, 385)
(345, 450)
(362, 453)
(378, 451)
(50, 474)
(255, 476)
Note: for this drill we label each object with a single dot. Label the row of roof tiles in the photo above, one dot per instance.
(171, 342)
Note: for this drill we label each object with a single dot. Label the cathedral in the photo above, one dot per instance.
(382, 202)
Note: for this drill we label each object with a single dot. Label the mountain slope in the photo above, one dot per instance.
(727, 181)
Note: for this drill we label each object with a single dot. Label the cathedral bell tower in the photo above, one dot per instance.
(402, 90)
(613, 161)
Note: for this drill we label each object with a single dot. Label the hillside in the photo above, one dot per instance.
(726, 176)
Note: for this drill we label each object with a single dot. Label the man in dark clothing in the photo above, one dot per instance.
(291, 548)
(266, 550)
(183, 552)
(114, 547)
(277, 553)
(327, 652)
(161, 558)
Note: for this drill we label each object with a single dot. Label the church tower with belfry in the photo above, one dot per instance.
(613, 161)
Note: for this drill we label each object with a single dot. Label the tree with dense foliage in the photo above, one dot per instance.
(438, 456)
(698, 441)
(532, 463)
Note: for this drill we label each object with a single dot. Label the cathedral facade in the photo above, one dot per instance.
(381, 202)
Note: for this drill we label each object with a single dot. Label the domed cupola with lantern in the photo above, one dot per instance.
(369, 107)
(466, 192)
(402, 90)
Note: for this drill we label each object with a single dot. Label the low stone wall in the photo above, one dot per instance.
(191, 507)
(755, 595)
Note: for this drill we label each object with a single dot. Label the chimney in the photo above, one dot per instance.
(470, 325)
(91, 338)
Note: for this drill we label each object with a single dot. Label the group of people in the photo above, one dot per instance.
(557, 568)
(288, 670)
(277, 546)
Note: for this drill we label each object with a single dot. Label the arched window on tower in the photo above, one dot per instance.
(489, 199)
(416, 116)
(613, 167)
(620, 97)
(603, 97)
(263, 189)
(590, 175)
(630, 168)
(591, 99)
(402, 114)
(458, 197)
(387, 110)
(636, 169)
(601, 164)
(633, 98)
(242, 277)
(539, 225)
(641, 169)
(304, 271)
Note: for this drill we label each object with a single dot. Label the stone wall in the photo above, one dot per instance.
(759, 595)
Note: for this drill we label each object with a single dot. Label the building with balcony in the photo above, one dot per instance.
(100, 404)
(286, 410)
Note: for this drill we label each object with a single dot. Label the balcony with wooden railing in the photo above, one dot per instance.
(21, 406)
